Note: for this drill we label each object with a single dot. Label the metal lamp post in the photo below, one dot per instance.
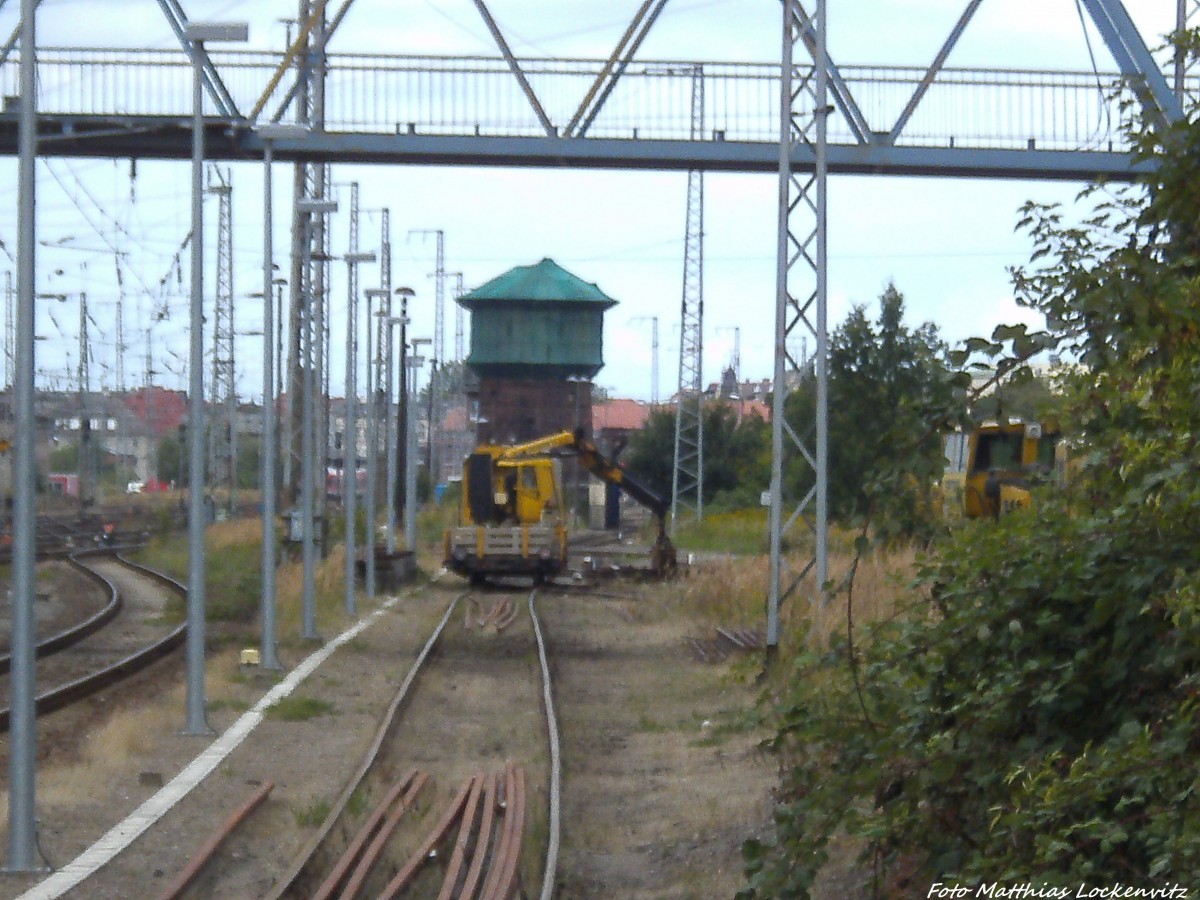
(269, 132)
(350, 426)
(575, 381)
(198, 33)
(392, 437)
(414, 363)
(372, 442)
(22, 761)
(400, 485)
(308, 207)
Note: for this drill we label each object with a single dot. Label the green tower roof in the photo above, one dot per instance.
(546, 281)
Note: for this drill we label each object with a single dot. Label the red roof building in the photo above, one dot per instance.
(159, 409)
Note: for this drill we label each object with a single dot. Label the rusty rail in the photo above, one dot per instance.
(342, 868)
(489, 810)
(488, 792)
(503, 868)
(196, 864)
(490, 800)
(338, 809)
(363, 868)
(452, 814)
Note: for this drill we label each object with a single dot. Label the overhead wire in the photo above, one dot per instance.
(100, 232)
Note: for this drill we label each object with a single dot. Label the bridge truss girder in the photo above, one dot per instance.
(159, 137)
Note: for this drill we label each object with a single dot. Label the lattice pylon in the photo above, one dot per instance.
(222, 442)
(1187, 15)
(687, 478)
(800, 302)
(459, 319)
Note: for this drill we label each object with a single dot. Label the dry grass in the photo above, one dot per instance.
(133, 740)
(733, 592)
(328, 594)
(106, 754)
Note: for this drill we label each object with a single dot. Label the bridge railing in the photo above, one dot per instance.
(976, 108)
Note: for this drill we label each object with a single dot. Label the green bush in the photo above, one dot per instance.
(1037, 722)
(1033, 720)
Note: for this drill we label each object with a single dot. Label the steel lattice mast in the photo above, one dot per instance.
(309, 267)
(800, 301)
(120, 327)
(319, 260)
(350, 411)
(86, 482)
(385, 387)
(439, 346)
(1187, 12)
(459, 316)
(222, 446)
(687, 480)
(310, 262)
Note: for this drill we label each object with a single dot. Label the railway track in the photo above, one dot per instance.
(124, 637)
(440, 807)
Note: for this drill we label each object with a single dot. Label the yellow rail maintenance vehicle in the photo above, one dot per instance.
(997, 466)
(512, 520)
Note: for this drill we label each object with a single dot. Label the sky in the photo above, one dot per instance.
(945, 243)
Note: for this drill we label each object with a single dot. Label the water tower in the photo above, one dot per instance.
(537, 337)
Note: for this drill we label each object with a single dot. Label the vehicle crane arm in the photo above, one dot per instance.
(590, 457)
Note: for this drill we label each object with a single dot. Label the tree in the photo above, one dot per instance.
(249, 461)
(171, 466)
(737, 461)
(886, 380)
(1036, 719)
(65, 457)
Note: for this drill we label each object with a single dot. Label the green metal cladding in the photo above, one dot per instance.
(537, 321)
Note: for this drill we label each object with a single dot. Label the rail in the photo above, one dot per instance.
(204, 855)
(72, 692)
(79, 631)
(478, 97)
(389, 717)
(555, 826)
(489, 810)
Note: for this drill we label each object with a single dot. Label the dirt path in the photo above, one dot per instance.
(656, 802)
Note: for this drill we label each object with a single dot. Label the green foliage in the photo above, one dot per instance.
(1034, 720)
(313, 814)
(737, 455)
(742, 530)
(233, 582)
(248, 460)
(170, 459)
(891, 388)
(232, 578)
(65, 457)
(298, 709)
(1024, 395)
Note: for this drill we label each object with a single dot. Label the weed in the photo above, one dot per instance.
(230, 703)
(313, 814)
(357, 804)
(233, 572)
(740, 532)
(298, 709)
(649, 725)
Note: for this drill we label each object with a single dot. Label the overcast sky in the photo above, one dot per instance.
(945, 243)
